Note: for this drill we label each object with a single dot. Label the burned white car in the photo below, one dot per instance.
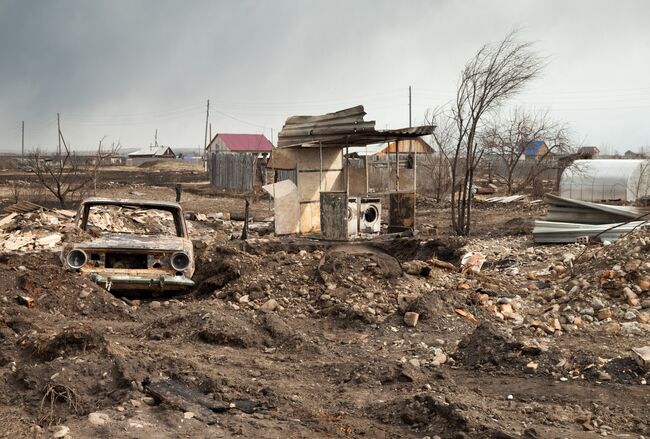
(132, 245)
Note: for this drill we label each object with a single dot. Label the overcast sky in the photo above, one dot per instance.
(124, 68)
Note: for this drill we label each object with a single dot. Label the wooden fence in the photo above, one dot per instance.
(236, 172)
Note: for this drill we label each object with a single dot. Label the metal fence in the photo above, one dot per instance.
(233, 171)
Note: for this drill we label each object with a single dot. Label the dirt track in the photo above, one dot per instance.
(332, 357)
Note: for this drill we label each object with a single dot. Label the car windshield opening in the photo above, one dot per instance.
(131, 219)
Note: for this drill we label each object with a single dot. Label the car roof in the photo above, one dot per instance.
(151, 204)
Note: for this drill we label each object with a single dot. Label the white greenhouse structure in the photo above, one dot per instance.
(606, 180)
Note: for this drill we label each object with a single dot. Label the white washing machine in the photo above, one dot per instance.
(353, 217)
(370, 216)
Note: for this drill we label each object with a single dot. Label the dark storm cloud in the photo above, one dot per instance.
(124, 68)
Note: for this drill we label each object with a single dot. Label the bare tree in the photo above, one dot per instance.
(67, 174)
(642, 184)
(506, 140)
(438, 165)
(494, 74)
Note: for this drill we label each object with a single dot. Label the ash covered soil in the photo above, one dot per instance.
(292, 338)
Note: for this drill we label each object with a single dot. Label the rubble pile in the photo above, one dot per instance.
(618, 278)
(35, 231)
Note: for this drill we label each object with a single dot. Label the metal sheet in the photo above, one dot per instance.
(556, 232)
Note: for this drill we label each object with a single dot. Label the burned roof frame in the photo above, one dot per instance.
(341, 129)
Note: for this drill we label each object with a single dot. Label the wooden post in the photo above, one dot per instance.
(396, 164)
(179, 191)
(207, 116)
(366, 164)
(244, 233)
(415, 184)
(347, 171)
(320, 149)
(58, 128)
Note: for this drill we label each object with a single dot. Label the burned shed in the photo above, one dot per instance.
(316, 149)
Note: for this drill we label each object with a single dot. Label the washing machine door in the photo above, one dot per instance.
(370, 218)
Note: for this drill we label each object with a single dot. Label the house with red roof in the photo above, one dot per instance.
(240, 143)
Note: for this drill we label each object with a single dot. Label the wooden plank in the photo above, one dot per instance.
(7, 219)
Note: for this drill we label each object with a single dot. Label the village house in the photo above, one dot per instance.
(405, 147)
(535, 149)
(240, 143)
(152, 153)
(589, 151)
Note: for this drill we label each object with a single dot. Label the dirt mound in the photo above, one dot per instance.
(40, 282)
(492, 348)
(344, 262)
(69, 342)
(220, 265)
(405, 249)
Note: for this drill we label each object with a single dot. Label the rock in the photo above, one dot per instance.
(61, 431)
(416, 268)
(85, 293)
(631, 328)
(603, 314)
(439, 358)
(411, 318)
(597, 304)
(643, 318)
(414, 362)
(325, 297)
(630, 315)
(243, 299)
(148, 400)
(135, 403)
(642, 356)
(188, 415)
(98, 418)
(155, 304)
(269, 306)
(404, 301)
(604, 376)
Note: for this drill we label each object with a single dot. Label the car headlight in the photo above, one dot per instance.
(76, 258)
(180, 261)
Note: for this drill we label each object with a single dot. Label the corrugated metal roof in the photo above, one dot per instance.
(576, 211)
(556, 232)
(147, 152)
(340, 129)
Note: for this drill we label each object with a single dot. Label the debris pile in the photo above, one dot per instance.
(570, 220)
(34, 231)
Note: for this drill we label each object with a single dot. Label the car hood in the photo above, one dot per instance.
(129, 241)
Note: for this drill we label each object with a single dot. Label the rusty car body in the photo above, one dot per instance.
(136, 260)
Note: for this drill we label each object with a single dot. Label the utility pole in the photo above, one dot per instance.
(58, 126)
(155, 139)
(22, 148)
(410, 123)
(207, 116)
